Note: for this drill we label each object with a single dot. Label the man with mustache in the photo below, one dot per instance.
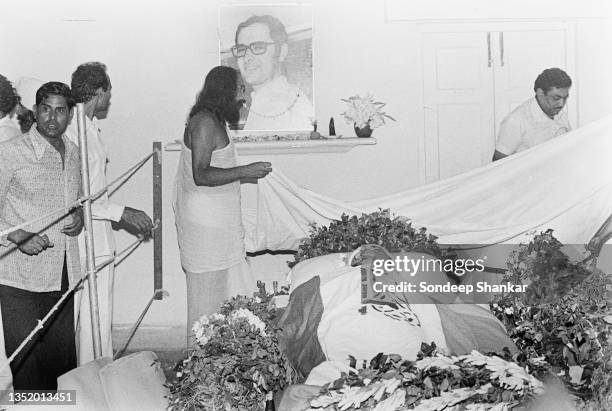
(260, 51)
(91, 85)
(39, 173)
(538, 119)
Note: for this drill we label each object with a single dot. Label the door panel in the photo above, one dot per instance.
(459, 123)
(526, 53)
(458, 88)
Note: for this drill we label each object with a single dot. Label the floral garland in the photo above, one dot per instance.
(433, 382)
(237, 362)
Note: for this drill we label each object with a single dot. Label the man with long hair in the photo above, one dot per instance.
(207, 199)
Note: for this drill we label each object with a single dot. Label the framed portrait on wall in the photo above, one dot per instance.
(271, 47)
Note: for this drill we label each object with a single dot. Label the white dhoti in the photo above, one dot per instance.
(103, 212)
(210, 237)
(83, 333)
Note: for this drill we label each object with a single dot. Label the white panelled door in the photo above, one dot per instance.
(473, 76)
(458, 85)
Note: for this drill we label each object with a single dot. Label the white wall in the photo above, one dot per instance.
(158, 53)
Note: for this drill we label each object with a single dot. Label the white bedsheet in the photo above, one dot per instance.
(564, 184)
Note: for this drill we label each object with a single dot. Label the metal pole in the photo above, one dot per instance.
(157, 295)
(157, 218)
(89, 241)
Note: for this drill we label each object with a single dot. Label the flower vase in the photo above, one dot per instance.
(363, 131)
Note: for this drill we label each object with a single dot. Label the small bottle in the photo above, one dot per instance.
(332, 127)
(352, 361)
(275, 287)
(261, 287)
(270, 402)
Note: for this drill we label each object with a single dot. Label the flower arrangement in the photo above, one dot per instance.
(364, 111)
(238, 359)
(433, 382)
(394, 233)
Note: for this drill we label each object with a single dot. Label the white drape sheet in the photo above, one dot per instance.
(564, 184)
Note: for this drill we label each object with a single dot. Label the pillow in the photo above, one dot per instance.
(325, 266)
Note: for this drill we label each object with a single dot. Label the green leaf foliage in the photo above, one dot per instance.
(380, 227)
(560, 318)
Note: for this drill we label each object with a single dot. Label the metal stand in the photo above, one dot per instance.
(157, 218)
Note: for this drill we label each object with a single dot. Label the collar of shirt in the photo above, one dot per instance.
(275, 97)
(7, 121)
(40, 144)
(277, 83)
(8, 128)
(539, 114)
(93, 122)
(91, 128)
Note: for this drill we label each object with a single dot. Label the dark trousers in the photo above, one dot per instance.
(52, 351)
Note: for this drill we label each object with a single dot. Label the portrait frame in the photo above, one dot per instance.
(291, 109)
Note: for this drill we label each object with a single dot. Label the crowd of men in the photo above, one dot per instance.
(40, 173)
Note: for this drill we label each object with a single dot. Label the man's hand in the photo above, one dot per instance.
(136, 222)
(256, 170)
(74, 228)
(29, 243)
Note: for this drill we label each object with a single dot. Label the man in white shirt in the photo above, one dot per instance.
(260, 50)
(538, 119)
(8, 101)
(91, 85)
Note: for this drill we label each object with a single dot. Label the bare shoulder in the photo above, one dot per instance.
(205, 130)
(203, 121)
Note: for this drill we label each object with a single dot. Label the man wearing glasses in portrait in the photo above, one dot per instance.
(261, 47)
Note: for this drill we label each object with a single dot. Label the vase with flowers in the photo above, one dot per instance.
(364, 114)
